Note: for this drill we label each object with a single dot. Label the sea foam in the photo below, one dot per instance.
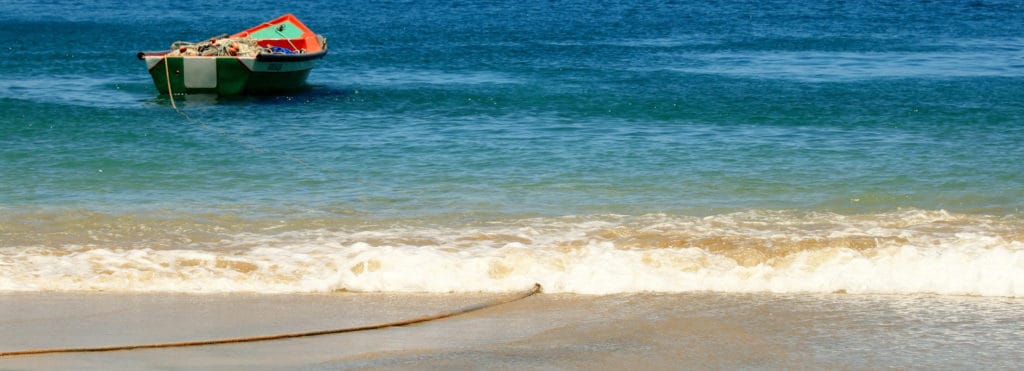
(904, 252)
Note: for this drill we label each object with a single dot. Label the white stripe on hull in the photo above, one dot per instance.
(200, 73)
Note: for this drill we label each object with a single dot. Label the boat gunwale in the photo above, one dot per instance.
(259, 57)
(291, 57)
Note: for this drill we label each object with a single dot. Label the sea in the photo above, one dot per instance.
(595, 147)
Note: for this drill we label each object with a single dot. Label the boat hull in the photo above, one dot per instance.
(226, 75)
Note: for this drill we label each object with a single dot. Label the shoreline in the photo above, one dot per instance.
(695, 330)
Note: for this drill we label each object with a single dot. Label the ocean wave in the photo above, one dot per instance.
(820, 66)
(902, 252)
(95, 91)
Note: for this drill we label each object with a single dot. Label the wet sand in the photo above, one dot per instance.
(648, 331)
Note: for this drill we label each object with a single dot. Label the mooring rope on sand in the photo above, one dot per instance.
(532, 291)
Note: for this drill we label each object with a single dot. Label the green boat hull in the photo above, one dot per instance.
(225, 75)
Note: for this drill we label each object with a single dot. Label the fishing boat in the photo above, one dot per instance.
(273, 57)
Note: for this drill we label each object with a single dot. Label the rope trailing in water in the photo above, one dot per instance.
(534, 290)
(167, 74)
(221, 132)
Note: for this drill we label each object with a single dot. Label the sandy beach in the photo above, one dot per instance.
(648, 331)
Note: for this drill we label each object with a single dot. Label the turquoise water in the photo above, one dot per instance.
(611, 127)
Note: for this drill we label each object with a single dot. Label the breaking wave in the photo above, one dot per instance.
(902, 252)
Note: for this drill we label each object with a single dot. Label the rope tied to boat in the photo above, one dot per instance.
(434, 317)
(170, 92)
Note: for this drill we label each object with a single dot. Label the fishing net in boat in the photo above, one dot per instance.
(239, 46)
